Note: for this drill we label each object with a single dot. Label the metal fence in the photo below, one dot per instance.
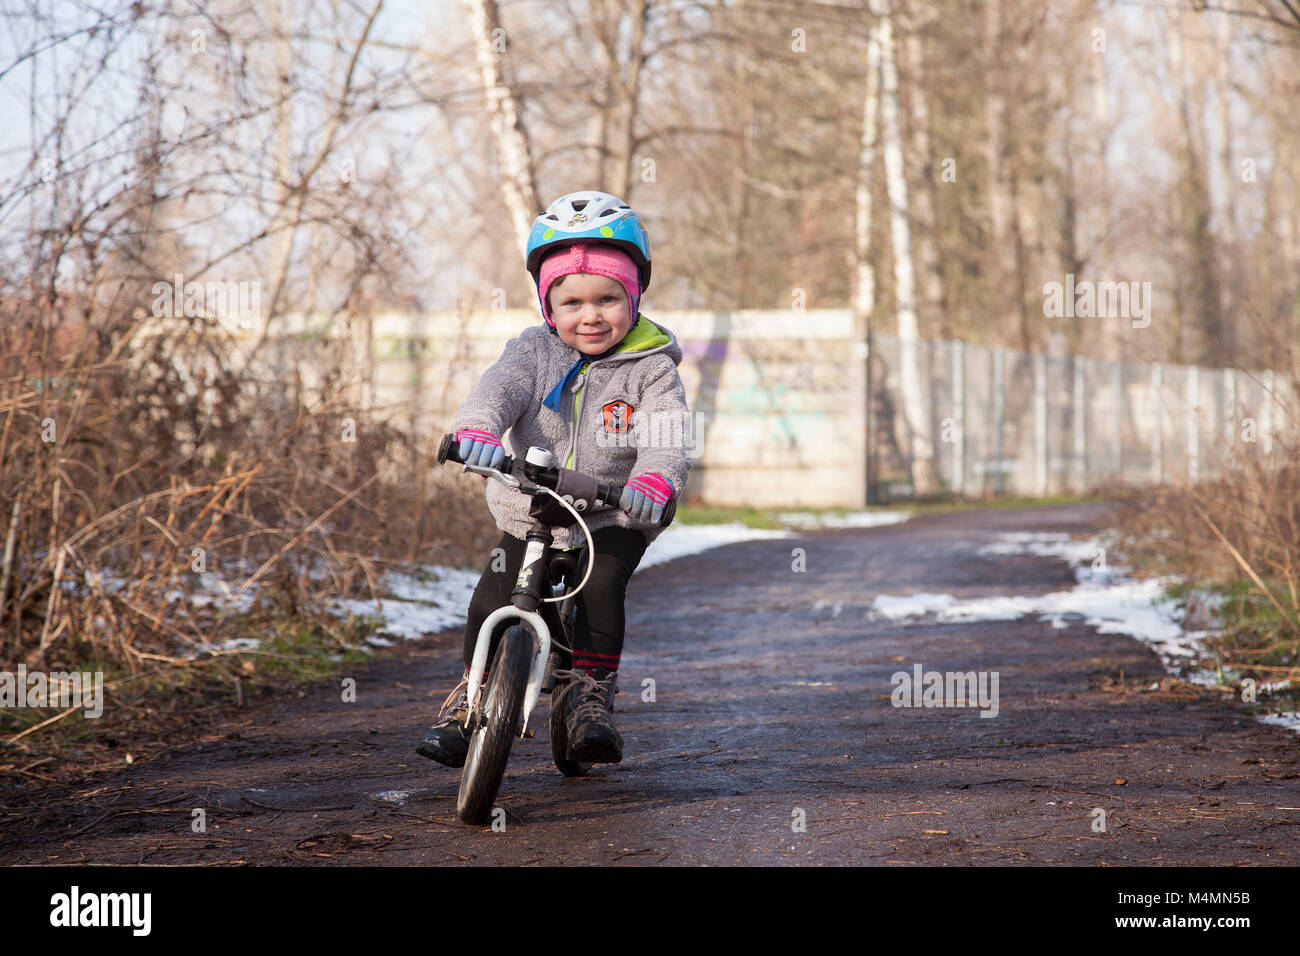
(1033, 424)
(780, 404)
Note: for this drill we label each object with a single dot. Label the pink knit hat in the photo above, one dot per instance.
(597, 259)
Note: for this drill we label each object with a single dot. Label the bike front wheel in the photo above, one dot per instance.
(489, 746)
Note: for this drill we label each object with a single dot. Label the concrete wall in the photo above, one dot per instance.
(777, 411)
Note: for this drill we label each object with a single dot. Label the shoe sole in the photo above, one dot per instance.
(437, 756)
(597, 753)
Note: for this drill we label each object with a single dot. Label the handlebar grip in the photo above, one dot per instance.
(448, 449)
(610, 494)
(670, 511)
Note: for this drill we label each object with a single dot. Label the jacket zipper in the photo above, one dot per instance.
(573, 424)
(572, 464)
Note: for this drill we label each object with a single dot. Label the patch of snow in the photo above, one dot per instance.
(430, 600)
(436, 585)
(853, 519)
(1289, 719)
(409, 620)
(215, 590)
(836, 609)
(434, 598)
(680, 540)
(910, 605)
(238, 644)
(1109, 600)
(1055, 544)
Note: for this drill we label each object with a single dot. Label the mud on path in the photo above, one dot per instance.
(770, 705)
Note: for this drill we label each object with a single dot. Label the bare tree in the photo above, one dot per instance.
(519, 191)
(924, 480)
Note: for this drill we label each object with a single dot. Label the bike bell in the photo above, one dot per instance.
(540, 457)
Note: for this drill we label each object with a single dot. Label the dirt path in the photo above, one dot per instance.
(771, 707)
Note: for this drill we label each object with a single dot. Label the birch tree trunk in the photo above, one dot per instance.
(931, 277)
(1101, 252)
(282, 235)
(995, 108)
(1229, 255)
(864, 275)
(624, 85)
(924, 481)
(1214, 346)
(864, 286)
(518, 189)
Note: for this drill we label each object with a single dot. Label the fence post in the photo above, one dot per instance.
(1266, 419)
(997, 415)
(1040, 424)
(1230, 399)
(1119, 420)
(1079, 425)
(959, 418)
(1193, 432)
(1158, 433)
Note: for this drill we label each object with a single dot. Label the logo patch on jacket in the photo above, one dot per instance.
(617, 417)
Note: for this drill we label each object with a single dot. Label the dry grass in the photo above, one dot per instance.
(1238, 537)
(136, 460)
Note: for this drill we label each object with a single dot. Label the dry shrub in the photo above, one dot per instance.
(136, 455)
(1238, 535)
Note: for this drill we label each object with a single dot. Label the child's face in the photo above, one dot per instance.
(590, 311)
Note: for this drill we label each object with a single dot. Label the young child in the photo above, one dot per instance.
(580, 386)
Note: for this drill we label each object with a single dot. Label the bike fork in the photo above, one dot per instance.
(527, 593)
(484, 642)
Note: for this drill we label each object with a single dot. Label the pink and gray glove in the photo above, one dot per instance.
(480, 448)
(644, 497)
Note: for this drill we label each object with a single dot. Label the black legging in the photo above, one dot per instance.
(598, 637)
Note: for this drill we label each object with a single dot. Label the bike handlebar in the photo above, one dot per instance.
(560, 480)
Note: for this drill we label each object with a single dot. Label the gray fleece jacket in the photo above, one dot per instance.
(622, 415)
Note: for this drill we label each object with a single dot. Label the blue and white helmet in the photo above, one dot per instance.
(589, 216)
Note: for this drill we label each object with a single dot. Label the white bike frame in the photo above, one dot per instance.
(532, 553)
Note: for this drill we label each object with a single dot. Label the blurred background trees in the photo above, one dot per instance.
(370, 155)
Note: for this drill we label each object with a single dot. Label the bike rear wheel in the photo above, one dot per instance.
(489, 746)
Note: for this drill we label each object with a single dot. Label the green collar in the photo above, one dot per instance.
(643, 335)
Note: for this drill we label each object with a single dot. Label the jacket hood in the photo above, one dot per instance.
(644, 338)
